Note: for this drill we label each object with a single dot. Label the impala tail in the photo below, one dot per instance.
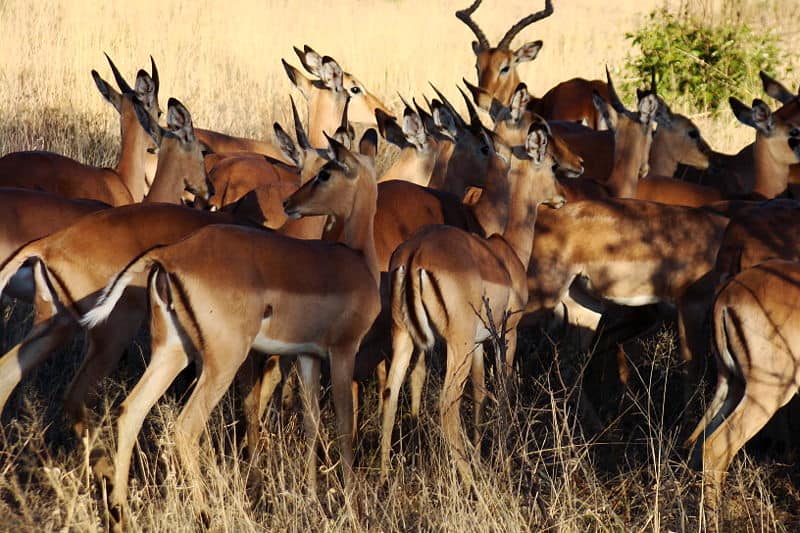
(136, 272)
(414, 297)
(29, 252)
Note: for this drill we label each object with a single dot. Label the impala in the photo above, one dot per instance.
(738, 174)
(107, 240)
(757, 346)
(328, 95)
(497, 72)
(123, 184)
(27, 215)
(253, 186)
(442, 273)
(326, 98)
(225, 290)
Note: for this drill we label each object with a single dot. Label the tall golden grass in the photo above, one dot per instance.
(541, 473)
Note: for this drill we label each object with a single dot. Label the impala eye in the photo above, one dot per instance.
(323, 176)
(355, 90)
(795, 132)
(485, 150)
(504, 70)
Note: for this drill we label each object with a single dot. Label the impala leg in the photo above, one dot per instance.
(106, 344)
(418, 374)
(37, 346)
(478, 372)
(757, 406)
(721, 393)
(166, 362)
(402, 348)
(220, 365)
(511, 354)
(248, 379)
(354, 394)
(381, 372)
(342, 362)
(459, 361)
(309, 367)
(270, 380)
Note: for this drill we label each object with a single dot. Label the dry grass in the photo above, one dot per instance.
(222, 60)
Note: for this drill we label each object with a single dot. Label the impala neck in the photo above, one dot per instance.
(491, 209)
(135, 141)
(446, 149)
(771, 176)
(528, 190)
(629, 154)
(174, 167)
(325, 109)
(413, 165)
(357, 229)
(661, 161)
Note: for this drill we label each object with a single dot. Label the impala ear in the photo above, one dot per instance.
(758, 117)
(145, 90)
(298, 80)
(108, 92)
(344, 136)
(536, 143)
(648, 107)
(413, 129)
(389, 129)
(368, 145)
(287, 146)
(519, 102)
(775, 89)
(444, 119)
(476, 47)
(179, 121)
(311, 60)
(331, 74)
(527, 52)
(148, 123)
(762, 117)
(602, 108)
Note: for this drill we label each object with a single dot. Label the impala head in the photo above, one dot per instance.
(780, 137)
(497, 66)
(543, 153)
(632, 129)
(145, 89)
(776, 89)
(467, 164)
(676, 136)
(329, 93)
(307, 159)
(790, 110)
(345, 178)
(180, 153)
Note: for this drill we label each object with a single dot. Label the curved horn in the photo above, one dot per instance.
(456, 115)
(530, 19)
(653, 87)
(475, 123)
(154, 73)
(299, 132)
(616, 103)
(121, 83)
(465, 16)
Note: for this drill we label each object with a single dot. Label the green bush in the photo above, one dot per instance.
(698, 64)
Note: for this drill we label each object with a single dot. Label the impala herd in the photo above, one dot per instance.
(567, 205)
